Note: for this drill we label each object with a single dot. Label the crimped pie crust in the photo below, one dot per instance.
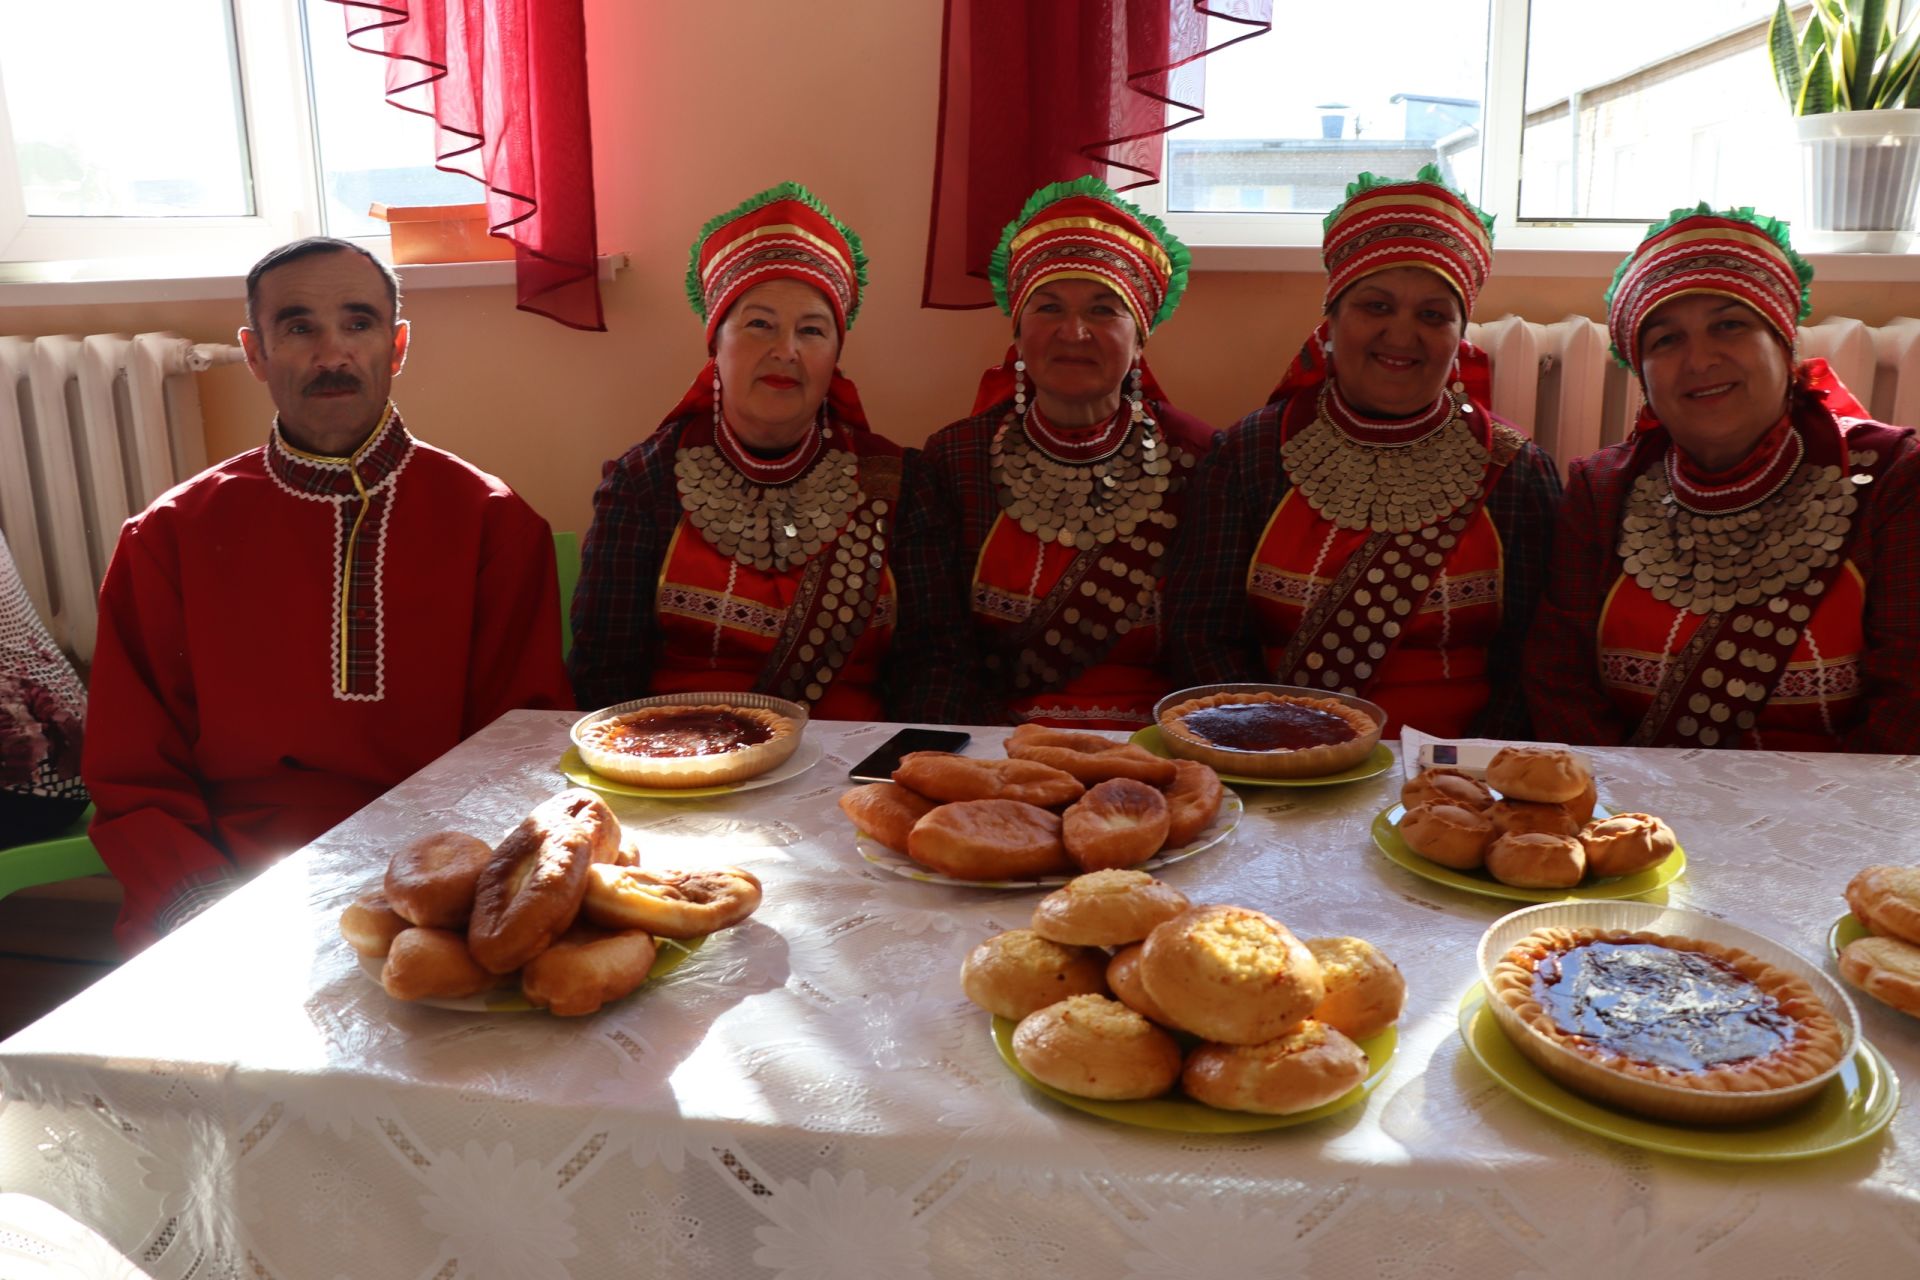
(1301, 762)
(714, 770)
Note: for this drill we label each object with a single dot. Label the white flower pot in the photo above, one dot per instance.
(1861, 168)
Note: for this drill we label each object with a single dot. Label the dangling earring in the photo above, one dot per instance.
(1139, 411)
(826, 430)
(716, 404)
(1020, 389)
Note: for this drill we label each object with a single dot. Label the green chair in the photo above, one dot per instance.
(67, 856)
(566, 556)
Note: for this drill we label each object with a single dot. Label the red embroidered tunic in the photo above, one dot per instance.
(276, 650)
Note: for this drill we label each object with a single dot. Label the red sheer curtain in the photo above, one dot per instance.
(506, 84)
(1032, 93)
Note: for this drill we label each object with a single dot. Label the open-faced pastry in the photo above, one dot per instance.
(1269, 735)
(709, 745)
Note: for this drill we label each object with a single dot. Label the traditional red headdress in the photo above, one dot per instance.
(1419, 223)
(784, 233)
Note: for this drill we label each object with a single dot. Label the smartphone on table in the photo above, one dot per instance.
(879, 766)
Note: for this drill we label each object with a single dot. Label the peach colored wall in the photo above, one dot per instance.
(695, 107)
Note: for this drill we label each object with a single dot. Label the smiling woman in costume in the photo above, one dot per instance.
(1035, 533)
(1744, 571)
(742, 546)
(1375, 530)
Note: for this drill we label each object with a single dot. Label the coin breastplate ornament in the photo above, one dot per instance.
(767, 527)
(1387, 488)
(1714, 563)
(1083, 505)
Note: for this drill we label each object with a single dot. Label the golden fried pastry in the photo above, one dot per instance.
(1888, 969)
(531, 889)
(1365, 991)
(1123, 979)
(1088, 756)
(670, 904)
(433, 964)
(1308, 1067)
(587, 968)
(1886, 899)
(1095, 1047)
(990, 840)
(1270, 735)
(1193, 802)
(1448, 834)
(1626, 843)
(886, 811)
(1552, 775)
(626, 853)
(1231, 974)
(1013, 973)
(370, 924)
(943, 776)
(431, 880)
(1524, 817)
(1582, 805)
(1107, 909)
(1448, 786)
(1118, 823)
(1536, 860)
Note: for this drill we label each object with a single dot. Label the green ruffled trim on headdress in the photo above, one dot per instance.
(1179, 259)
(1775, 228)
(780, 191)
(1429, 174)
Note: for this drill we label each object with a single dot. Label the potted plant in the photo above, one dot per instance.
(1852, 80)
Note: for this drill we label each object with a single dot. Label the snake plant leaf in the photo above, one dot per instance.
(1868, 35)
(1816, 96)
(1783, 50)
(1898, 80)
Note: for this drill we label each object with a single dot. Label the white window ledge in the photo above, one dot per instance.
(67, 284)
(1596, 264)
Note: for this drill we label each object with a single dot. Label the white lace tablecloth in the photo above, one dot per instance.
(810, 1097)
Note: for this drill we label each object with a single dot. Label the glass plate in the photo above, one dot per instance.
(804, 757)
(1857, 1104)
(900, 864)
(1372, 767)
(507, 999)
(1386, 837)
(1846, 929)
(1176, 1114)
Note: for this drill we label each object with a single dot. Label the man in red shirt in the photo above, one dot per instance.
(293, 631)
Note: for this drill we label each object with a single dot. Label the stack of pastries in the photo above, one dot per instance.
(1119, 977)
(562, 902)
(1060, 802)
(1530, 824)
(1886, 965)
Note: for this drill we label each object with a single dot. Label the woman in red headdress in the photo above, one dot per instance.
(742, 546)
(1035, 533)
(1375, 529)
(1744, 571)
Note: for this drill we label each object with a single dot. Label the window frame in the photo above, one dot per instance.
(269, 42)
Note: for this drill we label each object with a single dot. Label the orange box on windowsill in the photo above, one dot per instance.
(440, 233)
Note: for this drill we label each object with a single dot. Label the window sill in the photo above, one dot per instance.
(1572, 263)
(51, 284)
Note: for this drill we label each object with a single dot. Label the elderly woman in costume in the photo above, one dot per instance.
(1375, 530)
(1035, 532)
(741, 547)
(1742, 572)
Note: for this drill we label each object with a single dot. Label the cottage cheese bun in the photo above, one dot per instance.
(1552, 775)
(989, 840)
(1888, 969)
(1014, 973)
(1524, 817)
(1123, 979)
(1448, 786)
(432, 879)
(670, 904)
(1231, 974)
(1308, 1067)
(1887, 900)
(943, 776)
(1095, 1047)
(370, 924)
(886, 811)
(1365, 991)
(1193, 802)
(1117, 823)
(1448, 834)
(1537, 860)
(427, 964)
(1107, 909)
(586, 968)
(1626, 843)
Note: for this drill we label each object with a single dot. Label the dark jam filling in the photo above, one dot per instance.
(1666, 1008)
(1268, 726)
(676, 734)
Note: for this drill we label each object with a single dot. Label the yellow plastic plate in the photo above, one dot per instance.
(1846, 929)
(1857, 1104)
(1372, 767)
(1177, 1114)
(804, 757)
(1386, 836)
(507, 999)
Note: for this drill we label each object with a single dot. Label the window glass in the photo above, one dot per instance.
(1294, 115)
(125, 108)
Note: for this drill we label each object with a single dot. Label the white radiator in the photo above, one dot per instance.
(91, 430)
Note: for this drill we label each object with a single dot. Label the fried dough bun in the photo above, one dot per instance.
(370, 924)
(943, 776)
(432, 879)
(670, 904)
(1117, 823)
(1193, 802)
(886, 811)
(532, 887)
(1088, 756)
(433, 964)
(989, 840)
(586, 968)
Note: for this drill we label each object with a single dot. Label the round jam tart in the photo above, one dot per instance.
(1270, 735)
(1667, 1010)
(687, 746)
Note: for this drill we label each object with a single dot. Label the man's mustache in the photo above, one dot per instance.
(327, 383)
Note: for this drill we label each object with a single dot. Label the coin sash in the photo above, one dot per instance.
(770, 528)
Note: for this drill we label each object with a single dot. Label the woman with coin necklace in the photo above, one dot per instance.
(1032, 548)
(1375, 530)
(742, 546)
(1743, 572)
